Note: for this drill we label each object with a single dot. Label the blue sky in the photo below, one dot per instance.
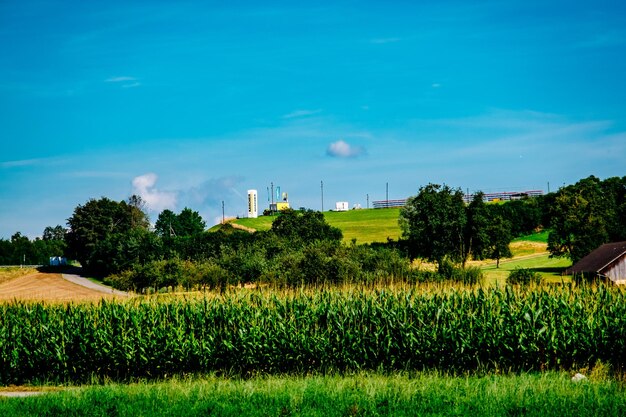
(192, 103)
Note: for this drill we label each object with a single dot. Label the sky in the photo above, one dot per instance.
(191, 103)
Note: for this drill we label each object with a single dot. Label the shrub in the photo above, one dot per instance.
(524, 277)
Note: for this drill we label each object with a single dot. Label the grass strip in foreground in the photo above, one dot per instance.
(544, 394)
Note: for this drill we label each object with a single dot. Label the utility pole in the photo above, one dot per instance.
(223, 216)
(367, 196)
(322, 188)
(548, 187)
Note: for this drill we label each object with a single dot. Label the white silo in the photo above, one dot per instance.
(253, 210)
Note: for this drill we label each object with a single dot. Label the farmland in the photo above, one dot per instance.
(344, 349)
(249, 332)
(32, 285)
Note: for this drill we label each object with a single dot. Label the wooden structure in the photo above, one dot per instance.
(608, 261)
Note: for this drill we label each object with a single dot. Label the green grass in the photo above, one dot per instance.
(540, 237)
(545, 395)
(549, 268)
(366, 226)
(260, 223)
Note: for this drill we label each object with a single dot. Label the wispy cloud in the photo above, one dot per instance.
(342, 149)
(382, 41)
(144, 186)
(214, 190)
(20, 163)
(125, 81)
(120, 79)
(301, 113)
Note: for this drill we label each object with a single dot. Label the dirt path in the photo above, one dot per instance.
(52, 287)
(82, 281)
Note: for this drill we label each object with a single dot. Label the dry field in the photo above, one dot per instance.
(49, 287)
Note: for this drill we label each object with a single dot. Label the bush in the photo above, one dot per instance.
(524, 277)
(469, 276)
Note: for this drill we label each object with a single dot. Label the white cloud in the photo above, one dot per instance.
(144, 186)
(342, 149)
(131, 85)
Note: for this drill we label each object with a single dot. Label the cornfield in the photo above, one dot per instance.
(249, 332)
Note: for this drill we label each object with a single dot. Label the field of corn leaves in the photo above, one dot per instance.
(250, 332)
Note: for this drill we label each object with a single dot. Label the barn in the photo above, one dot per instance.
(608, 261)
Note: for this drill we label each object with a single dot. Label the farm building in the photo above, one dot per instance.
(607, 261)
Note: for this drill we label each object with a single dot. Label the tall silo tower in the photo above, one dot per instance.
(253, 208)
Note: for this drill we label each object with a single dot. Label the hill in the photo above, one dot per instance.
(366, 225)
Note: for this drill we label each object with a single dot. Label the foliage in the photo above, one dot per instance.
(437, 225)
(499, 238)
(524, 277)
(477, 236)
(21, 250)
(433, 223)
(186, 223)
(304, 226)
(251, 332)
(94, 222)
(586, 215)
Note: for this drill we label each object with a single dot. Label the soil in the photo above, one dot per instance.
(50, 287)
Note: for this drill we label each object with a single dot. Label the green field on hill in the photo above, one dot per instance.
(366, 226)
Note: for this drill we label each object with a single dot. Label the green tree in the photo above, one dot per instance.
(54, 233)
(166, 224)
(433, 223)
(186, 223)
(94, 222)
(137, 211)
(499, 236)
(190, 223)
(580, 219)
(304, 226)
(476, 234)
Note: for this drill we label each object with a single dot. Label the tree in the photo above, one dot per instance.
(499, 236)
(54, 233)
(190, 223)
(166, 224)
(94, 222)
(476, 235)
(137, 211)
(187, 223)
(304, 226)
(580, 217)
(433, 223)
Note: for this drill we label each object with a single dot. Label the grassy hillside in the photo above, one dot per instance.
(366, 226)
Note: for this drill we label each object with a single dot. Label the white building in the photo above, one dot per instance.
(253, 208)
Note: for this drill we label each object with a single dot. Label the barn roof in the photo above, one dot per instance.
(599, 259)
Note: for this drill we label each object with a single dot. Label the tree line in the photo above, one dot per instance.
(114, 239)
